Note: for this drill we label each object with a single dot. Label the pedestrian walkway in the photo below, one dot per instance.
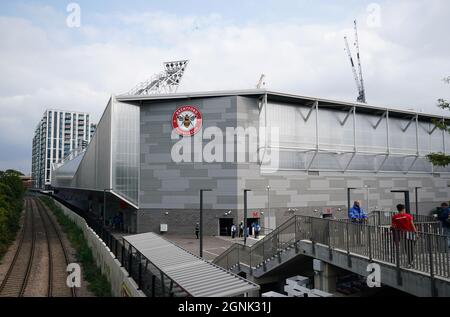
(250, 240)
(190, 273)
(351, 247)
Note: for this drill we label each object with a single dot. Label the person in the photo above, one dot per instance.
(357, 214)
(197, 230)
(444, 217)
(241, 229)
(233, 231)
(116, 222)
(256, 229)
(404, 231)
(121, 227)
(252, 230)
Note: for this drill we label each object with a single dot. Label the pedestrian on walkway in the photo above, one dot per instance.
(241, 229)
(197, 229)
(256, 230)
(444, 217)
(405, 232)
(233, 231)
(357, 214)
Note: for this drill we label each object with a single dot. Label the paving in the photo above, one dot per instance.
(213, 246)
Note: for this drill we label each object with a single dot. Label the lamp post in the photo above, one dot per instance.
(201, 219)
(268, 208)
(245, 215)
(407, 201)
(367, 193)
(349, 191)
(104, 204)
(417, 200)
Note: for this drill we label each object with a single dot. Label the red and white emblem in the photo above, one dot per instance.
(187, 120)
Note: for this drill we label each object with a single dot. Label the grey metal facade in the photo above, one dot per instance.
(324, 147)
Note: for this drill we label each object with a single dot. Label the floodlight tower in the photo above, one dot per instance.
(166, 82)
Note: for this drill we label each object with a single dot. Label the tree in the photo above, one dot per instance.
(441, 159)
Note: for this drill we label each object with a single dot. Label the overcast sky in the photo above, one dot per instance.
(299, 45)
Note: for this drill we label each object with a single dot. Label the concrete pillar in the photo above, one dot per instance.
(325, 276)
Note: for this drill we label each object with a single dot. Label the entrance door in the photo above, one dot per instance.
(225, 227)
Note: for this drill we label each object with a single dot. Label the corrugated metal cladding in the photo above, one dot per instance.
(198, 277)
(111, 160)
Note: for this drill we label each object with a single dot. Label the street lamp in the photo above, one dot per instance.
(417, 199)
(245, 215)
(349, 191)
(201, 219)
(407, 201)
(367, 190)
(104, 204)
(268, 208)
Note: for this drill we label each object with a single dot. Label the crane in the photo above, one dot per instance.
(261, 82)
(358, 78)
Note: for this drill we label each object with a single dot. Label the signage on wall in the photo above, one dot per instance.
(327, 210)
(255, 214)
(187, 120)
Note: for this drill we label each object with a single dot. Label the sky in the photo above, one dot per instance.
(48, 61)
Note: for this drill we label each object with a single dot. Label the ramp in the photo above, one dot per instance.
(194, 275)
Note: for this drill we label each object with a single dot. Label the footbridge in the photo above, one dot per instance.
(418, 266)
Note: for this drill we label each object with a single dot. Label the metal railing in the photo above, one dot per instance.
(150, 280)
(425, 252)
(384, 218)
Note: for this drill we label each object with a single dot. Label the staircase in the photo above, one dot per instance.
(276, 248)
(302, 236)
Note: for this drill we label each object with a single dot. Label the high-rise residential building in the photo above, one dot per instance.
(57, 134)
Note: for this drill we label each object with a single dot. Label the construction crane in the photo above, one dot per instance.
(261, 82)
(358, 78)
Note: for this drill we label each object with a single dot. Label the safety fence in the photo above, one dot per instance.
(150, 280)
(424, 252)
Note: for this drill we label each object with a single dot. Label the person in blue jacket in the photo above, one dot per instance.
(357, 213)
(444, 218)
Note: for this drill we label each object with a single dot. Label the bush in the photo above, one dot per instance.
(98, 283)
(11, 206)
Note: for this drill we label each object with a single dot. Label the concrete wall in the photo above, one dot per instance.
(121, 284)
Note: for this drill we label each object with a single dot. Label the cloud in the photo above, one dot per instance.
(44, 64)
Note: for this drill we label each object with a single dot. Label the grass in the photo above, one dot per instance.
(98, 283)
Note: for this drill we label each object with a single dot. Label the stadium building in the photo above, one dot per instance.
(151, 155)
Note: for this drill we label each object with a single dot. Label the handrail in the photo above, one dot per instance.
(424, 251)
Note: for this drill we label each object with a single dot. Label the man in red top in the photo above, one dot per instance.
(404, 231)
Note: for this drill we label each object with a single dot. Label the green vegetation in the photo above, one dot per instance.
(441, 159)
(11, 206)
(98, 283)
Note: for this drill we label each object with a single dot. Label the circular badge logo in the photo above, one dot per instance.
(187, 120)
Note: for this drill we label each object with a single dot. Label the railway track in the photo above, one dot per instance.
(17, 276)
(27, 258)
(58, 257)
